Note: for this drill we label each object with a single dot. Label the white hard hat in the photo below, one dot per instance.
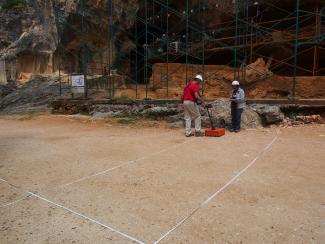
(235, 83)
(199, 77)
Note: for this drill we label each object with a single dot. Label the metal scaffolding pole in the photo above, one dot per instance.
(203, 45)
(84, 56)
(60, 81)
(110, 48)
(146, 48)
(58, 17)
(236, 40)
(246, 31)
(251, 42)
(59, 30)
(296, 46)
(167, 57)
(136, 60)
(186, 37)
(315, 48)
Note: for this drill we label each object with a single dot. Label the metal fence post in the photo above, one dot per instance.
(294, 81)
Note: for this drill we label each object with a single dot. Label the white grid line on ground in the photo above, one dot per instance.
(17, 188)
(124, 164)
(96, 174)
(71, 211)
(233, 179)
(12, 185)
(133, 161)
(86, 217)
(14, 202)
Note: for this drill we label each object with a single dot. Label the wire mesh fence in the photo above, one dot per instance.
(273, 50)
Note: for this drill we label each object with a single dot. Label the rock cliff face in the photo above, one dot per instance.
(34, 34)
(29, 36)
(85, 30)
(41, 35)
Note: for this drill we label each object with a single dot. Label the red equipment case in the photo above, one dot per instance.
(215, 133)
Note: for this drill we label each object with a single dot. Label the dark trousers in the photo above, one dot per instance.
(236, 118)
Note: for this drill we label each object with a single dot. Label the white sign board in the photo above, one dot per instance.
(77, 80)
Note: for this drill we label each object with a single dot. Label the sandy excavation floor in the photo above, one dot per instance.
(68, 180)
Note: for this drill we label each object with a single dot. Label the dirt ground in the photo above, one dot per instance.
(71, 180)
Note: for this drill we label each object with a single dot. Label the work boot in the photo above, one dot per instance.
(188, 135)
(199, 133)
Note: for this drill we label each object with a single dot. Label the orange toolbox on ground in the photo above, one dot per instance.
(215, 133)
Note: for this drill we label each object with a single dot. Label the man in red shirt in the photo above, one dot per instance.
(191, 101)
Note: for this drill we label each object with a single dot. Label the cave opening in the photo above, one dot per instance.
(140, 65)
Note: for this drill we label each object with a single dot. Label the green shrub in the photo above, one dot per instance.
(12, 4)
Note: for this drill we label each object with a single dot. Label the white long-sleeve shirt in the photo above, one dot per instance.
(238, 97)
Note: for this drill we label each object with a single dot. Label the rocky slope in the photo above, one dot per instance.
(33, 96)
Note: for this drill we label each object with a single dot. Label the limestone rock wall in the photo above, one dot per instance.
(31, 35)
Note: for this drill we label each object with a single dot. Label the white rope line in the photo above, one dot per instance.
(93, 175)
(219, 191)
(69, 210)
(3, 180)
(17, 188)
(12, 185)
(96, 174)
(14, 202)
(130, 162)
(124, 164)
(86, 217)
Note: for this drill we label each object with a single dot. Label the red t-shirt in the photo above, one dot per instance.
(190, 90)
